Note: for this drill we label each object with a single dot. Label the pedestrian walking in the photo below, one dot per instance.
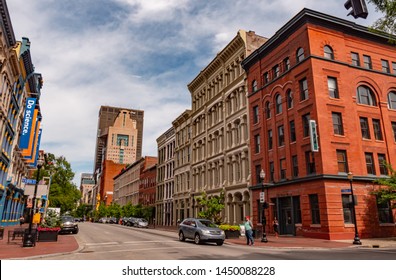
(275, 224)
(249, 231)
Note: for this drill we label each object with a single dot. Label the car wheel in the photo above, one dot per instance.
(75, 231)
(219, 243)
(197, 239)
(181, 236)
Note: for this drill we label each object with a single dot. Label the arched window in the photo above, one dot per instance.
(289, 96)
(278, 101)
(300, 54)
(392, 100)
(267, 110)
(254, 85)
(366, 96)
(328, 52)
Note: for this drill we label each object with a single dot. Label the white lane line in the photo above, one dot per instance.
(134, 250)
(100, 244)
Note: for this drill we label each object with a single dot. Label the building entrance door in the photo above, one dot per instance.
(286, 224)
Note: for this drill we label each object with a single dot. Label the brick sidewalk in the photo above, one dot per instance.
(66, 243)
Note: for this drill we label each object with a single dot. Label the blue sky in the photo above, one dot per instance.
(138, 54)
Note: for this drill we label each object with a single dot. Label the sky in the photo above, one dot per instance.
(137, 54)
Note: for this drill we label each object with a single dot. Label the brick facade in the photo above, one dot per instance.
(299, 181)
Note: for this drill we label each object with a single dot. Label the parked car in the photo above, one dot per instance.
(131, 221)
(68, 225)
(112, 220)
(200, 230)
(141, 223)
(103, 220)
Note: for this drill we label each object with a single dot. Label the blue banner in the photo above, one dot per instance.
(27, 123)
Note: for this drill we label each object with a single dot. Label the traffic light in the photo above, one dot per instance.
(359, 8)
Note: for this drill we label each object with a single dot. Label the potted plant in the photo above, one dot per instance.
(230, 230)
(49, 227)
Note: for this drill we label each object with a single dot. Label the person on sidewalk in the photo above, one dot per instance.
(275, 225)
(249, 231)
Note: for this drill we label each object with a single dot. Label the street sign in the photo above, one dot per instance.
(345, 190)
(262, 197)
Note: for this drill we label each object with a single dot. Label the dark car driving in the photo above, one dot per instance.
(200, 230)
(68, 225)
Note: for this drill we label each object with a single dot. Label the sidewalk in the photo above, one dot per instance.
(67, 244)
(14, 250)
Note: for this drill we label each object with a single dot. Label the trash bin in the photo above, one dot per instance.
(257, 233)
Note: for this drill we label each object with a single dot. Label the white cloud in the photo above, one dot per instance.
(138, 54)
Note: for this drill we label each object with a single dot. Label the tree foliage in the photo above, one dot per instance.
(388, 22)
(387, 193)
(63, 192)
(212, 207)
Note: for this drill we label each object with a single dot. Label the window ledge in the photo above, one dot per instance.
(315, 225)
(349, 225)
(387, 224)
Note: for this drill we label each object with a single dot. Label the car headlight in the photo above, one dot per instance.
(204, 231)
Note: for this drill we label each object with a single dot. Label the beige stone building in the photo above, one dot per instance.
(165, 178)
(219, 123)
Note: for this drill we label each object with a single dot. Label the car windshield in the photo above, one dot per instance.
(207, 223)
(67, 219)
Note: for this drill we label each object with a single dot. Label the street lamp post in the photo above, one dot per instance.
(29, 239)
(263, 204)
(356, 240)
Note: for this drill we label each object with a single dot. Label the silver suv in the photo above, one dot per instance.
(68, 225)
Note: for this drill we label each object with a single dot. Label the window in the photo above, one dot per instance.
(267, 110)
(292, 131)
(382, 164)
(385, 66)
(286, 64)
(394, 68)
(289, 96)
(305, 120)
(258, 170)
(342, 161)
(275, 71)
(332, 87)
(278, 101)
(337, 123)
(392, 100)
(366, 96)
(355, 59)
(377, 129)
(295, 166)
(394, 130)
(257, 143)
(314, 205)
(370, 163)
(367, 62)
(272, 170)
(364, 128)
(347, 208)
(384, 212)
(266, 78)
(300, 55)
(269, 139)
(303, 89)
(255, 114)
(281, 136)
(254, 85)
(328, 52)
(310, 164)
(282, 164)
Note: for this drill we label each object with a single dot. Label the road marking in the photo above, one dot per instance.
(138, 242)
(133, 250)
(100, 244)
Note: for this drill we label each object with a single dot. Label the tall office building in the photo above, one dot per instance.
(119, 143)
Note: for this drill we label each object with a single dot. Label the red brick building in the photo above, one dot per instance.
(322, 103)
(110, 170)
(148, 181)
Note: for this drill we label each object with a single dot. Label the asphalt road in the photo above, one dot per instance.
(116, 242)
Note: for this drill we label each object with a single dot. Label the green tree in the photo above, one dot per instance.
(388, 22)
(387, 193)
(63, 192)
(212, 207)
